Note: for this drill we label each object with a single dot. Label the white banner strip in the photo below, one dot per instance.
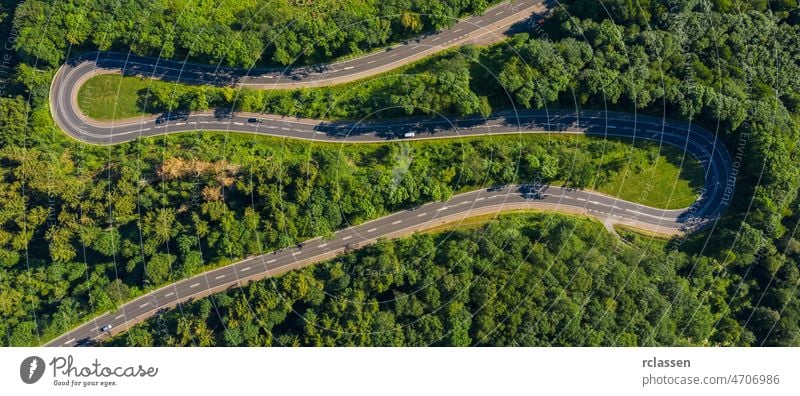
(385, 371)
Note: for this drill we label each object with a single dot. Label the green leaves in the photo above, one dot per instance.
(231, 33)
(158, 269)
(582, 288)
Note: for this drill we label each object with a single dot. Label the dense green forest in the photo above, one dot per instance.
(83, 228)
(230, 32)
(733, 66)
(525, 279)
(86, 228)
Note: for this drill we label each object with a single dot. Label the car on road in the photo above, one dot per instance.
(533, 195)
(105, 328)
(181, 116)
(223, 114)
(85, 342)
(531, 191)
(527, 188)
(254, 120)
(409, 135)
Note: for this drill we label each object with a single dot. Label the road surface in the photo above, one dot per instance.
(494, 25)
(694, 140)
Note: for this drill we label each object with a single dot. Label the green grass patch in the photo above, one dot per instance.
(111, 96)
(641, 238)
(666, 183)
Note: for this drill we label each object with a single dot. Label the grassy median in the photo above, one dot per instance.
(111, 96)
(661, 177)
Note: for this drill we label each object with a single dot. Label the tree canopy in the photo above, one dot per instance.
(236, 33)
(522, 280)
(83, 229)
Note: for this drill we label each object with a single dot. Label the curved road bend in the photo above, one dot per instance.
(494, 25)
(395, 225)
(694, 140)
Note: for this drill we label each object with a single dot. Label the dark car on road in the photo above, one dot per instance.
(533, 195)
(181, 116)
(254, 120)
(531, 191)
(85, 342)
(223, 114)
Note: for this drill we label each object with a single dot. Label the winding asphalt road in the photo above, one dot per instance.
(493, 26)
(694, 140)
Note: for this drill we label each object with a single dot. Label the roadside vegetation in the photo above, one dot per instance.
(436, 85)
(166, 208)
(83, 228)
(236, 33)
(520, 280)
(108, 97)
